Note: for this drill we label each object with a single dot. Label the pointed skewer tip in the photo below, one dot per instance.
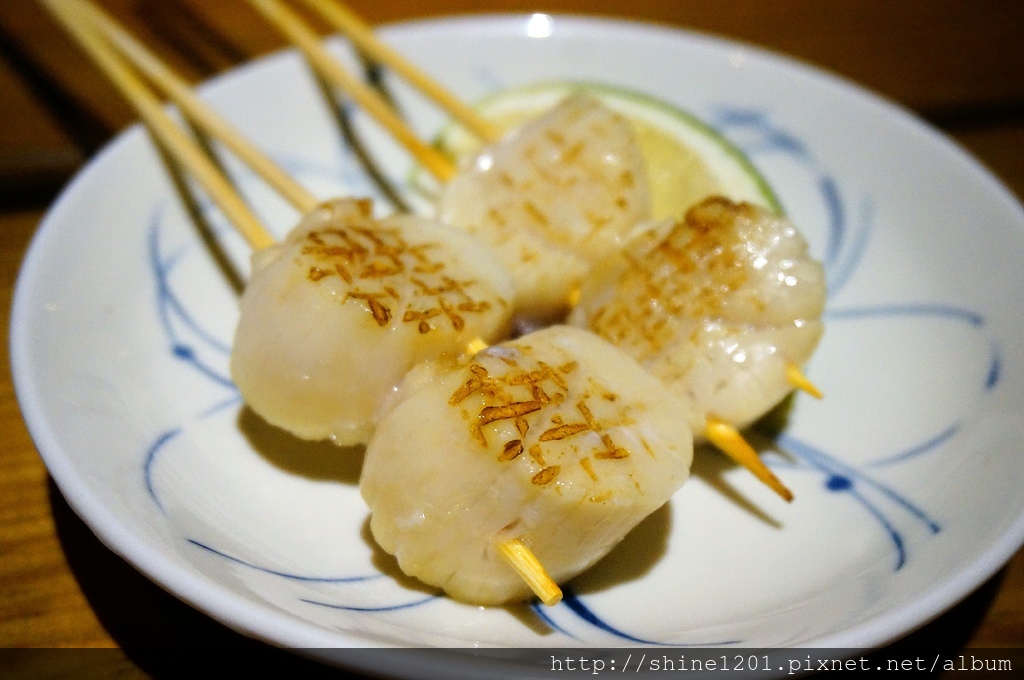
(477, 345)
(796, 378)
(728, 439)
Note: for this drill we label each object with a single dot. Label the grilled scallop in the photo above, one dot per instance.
(553, 197)
(717, 305)
(556, 439)
(336, 314)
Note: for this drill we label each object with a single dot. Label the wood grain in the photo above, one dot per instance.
(946, 59)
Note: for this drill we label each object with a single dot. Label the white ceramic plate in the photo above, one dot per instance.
(907, 476)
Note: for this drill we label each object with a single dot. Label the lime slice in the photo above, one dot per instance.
(687, 160)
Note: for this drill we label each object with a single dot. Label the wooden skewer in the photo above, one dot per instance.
(150, 109)
(345, 20)
(796, 378)
(731, 442)
(531, 570)
(476, 345)
(179, 91)
(293, 26)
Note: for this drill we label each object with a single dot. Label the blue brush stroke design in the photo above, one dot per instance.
(540, 610)
(171, 308)
(768, 136)
(914, 451)
(386, 608)
(995, 367)
(755, 134)
(925, 310)
(577, 607)
(147, 464)
(166, 437)
(342, 580)
(837, 224)
(842, 478)
(232, 401)
(284, 574)
(849, 250)
(905, 310)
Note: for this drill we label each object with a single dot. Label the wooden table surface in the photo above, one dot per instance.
(957, 63)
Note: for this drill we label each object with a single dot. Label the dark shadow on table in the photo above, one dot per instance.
(157, 631)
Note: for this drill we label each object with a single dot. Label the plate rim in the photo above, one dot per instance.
(202, 592)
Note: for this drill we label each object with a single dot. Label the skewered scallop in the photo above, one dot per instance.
(556, 441)
(553, 197)
(719, 305)
(552, 446)
(336, 314)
